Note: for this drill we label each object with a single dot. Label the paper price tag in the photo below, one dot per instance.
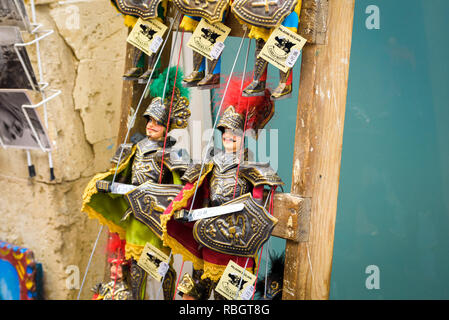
(163, 268)
(156, 43)
(147, 35)
(247, 293)
(153, 261)
(217, 50)
(292, 57)
(236, 283)
(208, 39)
(282, 48)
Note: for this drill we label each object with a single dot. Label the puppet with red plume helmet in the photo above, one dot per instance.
(244, 113)
(211, 243)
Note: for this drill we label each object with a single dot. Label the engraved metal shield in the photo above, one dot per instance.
(145, 9)
(211, 10)
(240, 233)
(263, 13)
(149, 201)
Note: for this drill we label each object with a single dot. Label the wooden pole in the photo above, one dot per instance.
(317, 153)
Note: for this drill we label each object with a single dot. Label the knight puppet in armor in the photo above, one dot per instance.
(117, 288)
(147, 177)
(212, 12)
(146, 10)
(230, 193)
(262, 17)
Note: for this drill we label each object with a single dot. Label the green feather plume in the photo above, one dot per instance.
(157, 87)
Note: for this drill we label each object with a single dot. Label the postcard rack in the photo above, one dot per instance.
(47, 94)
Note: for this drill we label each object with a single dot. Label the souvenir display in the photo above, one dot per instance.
(146, 10)
(263, 17)
(20, 274)
(229, 220)
(13, 13)
(213, 12)
(21, 127)
(130, 197)
(16, 71)
(117, 288)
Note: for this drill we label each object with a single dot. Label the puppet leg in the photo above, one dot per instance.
(284, 88)
(257, 86)
(138, 278)
(151, 65)
(212, 79)
(195, 288)
(199, 64)
(138, 63)
(168, 286)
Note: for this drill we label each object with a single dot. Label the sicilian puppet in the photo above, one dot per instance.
(225, 181)
(194, 11)
(262, 17)
(146, 10)
(146, 180)
(117, 288)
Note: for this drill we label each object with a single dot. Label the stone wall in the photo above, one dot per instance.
(85, 59)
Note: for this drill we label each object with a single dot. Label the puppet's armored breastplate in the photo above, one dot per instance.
(147, 164)
(223, 181)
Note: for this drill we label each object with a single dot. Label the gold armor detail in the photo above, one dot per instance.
(111, 291)
(263, 13)
(145, 9)
(240, 233)
(211, 10)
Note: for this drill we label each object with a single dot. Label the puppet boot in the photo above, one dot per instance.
(257, 86)
(151, 65)
(168, 286)
(198, 71)
(137, 280)
(212, 79)
(137, 70)
(284, 88)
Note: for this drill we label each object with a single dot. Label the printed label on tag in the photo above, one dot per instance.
(147, 35)
(156, 43)
(153, 261)
(216, 50)
(208, 39)
(282, 48)
(236, 283)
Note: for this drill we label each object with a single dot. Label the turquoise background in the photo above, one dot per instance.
(393, 204)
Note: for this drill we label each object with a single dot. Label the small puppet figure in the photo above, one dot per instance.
(146, 10)
(194, 11)
(148, 174)
(117, 288)
(262, 17)
(211, 243)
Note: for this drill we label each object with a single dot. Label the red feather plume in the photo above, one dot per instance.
(260, 109)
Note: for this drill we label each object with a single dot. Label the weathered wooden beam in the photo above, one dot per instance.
(293, 213)
(317, 153)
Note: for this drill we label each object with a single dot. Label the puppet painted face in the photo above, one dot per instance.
(154, 130)
(116, 272)
(232, 141)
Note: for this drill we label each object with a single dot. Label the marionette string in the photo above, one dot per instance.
(218, 115)
(176, 18)
(145, 90)
(89, 262)
(210, 137)
(171, 102)
(246, 118)
(168, 125)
